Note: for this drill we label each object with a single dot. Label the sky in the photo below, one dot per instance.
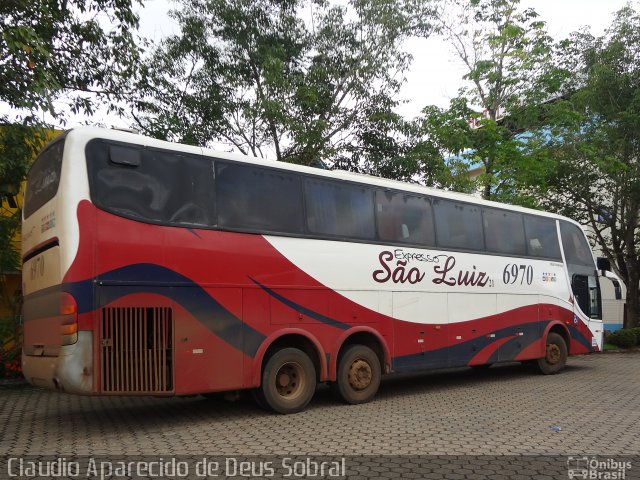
(436, 73)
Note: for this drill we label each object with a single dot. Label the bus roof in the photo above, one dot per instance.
(87, 133)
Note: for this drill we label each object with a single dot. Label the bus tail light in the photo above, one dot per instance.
(68, 305)
(69, 326)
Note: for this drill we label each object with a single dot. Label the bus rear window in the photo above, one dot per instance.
(43, 178)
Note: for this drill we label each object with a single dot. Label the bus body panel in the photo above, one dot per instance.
(170, 310)
(71, 370)
(510, 323)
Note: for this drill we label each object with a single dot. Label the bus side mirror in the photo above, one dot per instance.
(604, 264)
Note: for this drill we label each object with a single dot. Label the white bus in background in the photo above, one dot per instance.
(614, 294)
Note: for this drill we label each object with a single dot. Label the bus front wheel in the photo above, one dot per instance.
(555, 357)
(358, 375)
(288, 381)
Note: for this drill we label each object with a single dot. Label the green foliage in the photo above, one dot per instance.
(439, 146)
(9, 257)
(589, 144)
(54, 51)
(254, 75)
(608, 347)
(51, 47)
(636, 332)
(623, 338)
(504, 50)
(569, 136)
(10, 349)
(18, 145)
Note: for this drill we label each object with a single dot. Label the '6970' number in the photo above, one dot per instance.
(513, 273)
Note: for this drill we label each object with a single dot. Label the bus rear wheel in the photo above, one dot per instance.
(555, 357)
(358, 375)
(288, 381)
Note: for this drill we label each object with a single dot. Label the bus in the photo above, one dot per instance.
(154, 268)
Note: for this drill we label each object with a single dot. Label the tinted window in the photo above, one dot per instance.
(339, 209)
(542, 237)
(43, 178)
(575, 246)
(258, 198)
(404, 218)
(458, 225)
(153, 185)
(504, 232)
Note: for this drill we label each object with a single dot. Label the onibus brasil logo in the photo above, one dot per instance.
(588, 468)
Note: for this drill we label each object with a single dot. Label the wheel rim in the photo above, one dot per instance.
(553, 354)
(360, 374)
(290, 380)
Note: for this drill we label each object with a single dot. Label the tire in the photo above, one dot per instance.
(258, 397)
(555, 355)
(213, 396)
(482, 368)
(288, 381)
(358, 375)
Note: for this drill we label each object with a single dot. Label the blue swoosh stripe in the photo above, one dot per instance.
(461, 354)
(151, 278)
(304, 310)
(580, 338)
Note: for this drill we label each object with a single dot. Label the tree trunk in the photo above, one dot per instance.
(633, 300)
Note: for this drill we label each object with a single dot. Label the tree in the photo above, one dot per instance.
(504, 50)
(258, 77)
(50, 51)
(53, 47)
(590, 145)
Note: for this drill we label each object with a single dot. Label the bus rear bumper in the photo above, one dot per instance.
(71, 371)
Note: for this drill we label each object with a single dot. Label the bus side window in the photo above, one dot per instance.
(542, 237)
(342, 210)
(404, 218)
(617, 289)
(126, 184)
(191, 200)
(148, 184)
(261, 199)
(43, 178)
(574, 243)
(458, 225)
(504, 232)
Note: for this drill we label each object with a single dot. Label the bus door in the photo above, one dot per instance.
(584, 279)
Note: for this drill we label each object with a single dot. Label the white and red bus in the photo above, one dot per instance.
(161, 269)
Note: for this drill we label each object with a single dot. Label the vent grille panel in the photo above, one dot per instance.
(137, 350)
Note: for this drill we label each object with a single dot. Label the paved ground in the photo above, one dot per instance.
(506, 410)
